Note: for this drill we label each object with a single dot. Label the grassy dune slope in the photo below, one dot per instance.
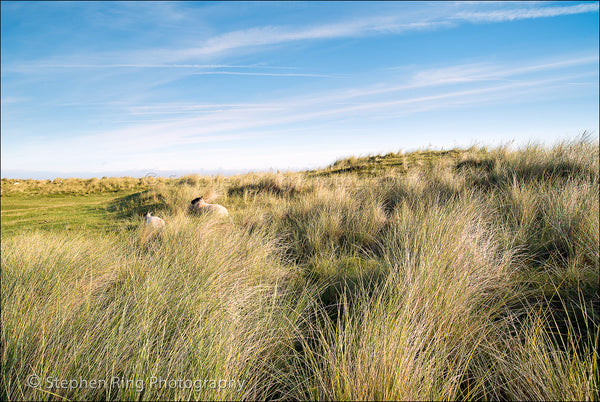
(464, 274)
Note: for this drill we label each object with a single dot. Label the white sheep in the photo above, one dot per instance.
(201, 206)
(153, 221)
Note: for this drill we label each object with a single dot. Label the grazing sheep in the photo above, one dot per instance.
(153, 221)
(201, 206)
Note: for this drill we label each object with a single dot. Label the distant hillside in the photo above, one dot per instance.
(368, 165)
(398, 162)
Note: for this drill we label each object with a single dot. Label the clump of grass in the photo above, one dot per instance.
(270, 183)
(555, 228)
(539, 362)
(329, 222)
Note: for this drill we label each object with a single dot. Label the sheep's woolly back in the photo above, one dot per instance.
(153, 221)
(201, 206)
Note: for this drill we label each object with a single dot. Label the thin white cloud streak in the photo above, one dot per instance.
(468, 73)
(178, 108)
(146, 65)
(525, 13)
(264, 74)
(483, 71)
(13, 99)
(270, 35)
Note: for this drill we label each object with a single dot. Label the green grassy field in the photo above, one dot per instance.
(60, 212)
(463, 274)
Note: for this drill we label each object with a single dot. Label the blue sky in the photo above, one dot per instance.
(122, 88)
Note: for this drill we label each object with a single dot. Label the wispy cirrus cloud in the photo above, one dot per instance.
(13, 99)
(165, 65)
(271, 35)
(489, 71)
(264, 74)
(47, 66)
(534, 11)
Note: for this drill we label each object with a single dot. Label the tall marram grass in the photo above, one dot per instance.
(472, 276)
(418, 333)
(201, 300)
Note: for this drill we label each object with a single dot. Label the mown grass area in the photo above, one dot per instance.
(60, 212)
(465, 274)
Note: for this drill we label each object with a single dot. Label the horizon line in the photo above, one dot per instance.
(584, 136)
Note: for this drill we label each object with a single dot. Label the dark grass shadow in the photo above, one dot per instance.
(137, 204)
(270, 186)
(488, 174)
